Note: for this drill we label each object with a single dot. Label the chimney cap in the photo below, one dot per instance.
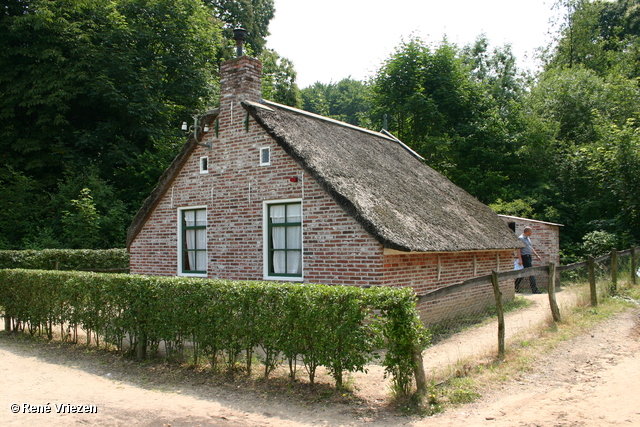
(239, 35)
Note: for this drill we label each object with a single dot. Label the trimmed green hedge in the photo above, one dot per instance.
(337, 327)
(66, 259)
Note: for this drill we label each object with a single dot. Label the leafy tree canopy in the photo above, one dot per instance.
(99, 88)
(279, 79)
(253, 15)
(348, 101)
(453, 107)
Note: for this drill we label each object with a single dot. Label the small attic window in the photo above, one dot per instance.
(265, 156)
(204, 164)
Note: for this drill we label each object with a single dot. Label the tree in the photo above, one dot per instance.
(603, 36)
(448, 115)
(348, 101)
(496, 70)
(279, 79)
(22, 206)
(99, 80)
(580, 39)
(102, 84)
(586, 151)
(253, 15)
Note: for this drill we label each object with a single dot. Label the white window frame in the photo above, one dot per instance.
(180, 240)
(202, 160)
(265, 240)
(262, 150)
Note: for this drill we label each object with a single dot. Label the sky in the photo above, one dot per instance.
(329, 40)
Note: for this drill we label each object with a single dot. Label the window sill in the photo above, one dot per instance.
(201, 275)
(284, 278)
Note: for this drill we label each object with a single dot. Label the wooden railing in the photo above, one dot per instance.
(526, 272)
(551, 270)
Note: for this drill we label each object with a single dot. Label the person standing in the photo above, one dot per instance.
(525, 255)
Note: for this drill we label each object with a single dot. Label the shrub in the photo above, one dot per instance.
(66, 259)
(332, 326)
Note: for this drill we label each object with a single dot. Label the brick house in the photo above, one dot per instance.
(271, 192)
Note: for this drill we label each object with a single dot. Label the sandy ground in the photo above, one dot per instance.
(591, 380)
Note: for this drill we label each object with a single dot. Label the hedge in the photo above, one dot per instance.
(337, 327)
(66, 259)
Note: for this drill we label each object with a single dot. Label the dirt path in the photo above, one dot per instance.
(591, 380)
(588, 381)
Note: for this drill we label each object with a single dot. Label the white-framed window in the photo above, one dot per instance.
(282, 229)
(265, 156)
(192, 241)
(204, 164)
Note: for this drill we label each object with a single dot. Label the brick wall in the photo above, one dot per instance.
(427, 272)
(336, 247)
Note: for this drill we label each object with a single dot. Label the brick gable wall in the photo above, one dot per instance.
(337, 250)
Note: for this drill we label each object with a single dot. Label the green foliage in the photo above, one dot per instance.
(253, 15)
(97, 89)
(597, 243)
(332, 326)
(279, 79)
(348, 101)
(81, 221)
(65, 259)
(586, 152)
(457, 109)
(600, 35)
(99, 80)
(87, 212)
(520, 208)
(21, 199)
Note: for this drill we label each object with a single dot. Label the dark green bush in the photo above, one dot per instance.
(340, 328)
(66, 259)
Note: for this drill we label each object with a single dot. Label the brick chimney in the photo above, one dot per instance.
(241, 78)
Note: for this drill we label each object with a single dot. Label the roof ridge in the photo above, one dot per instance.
(327, 119)
(383, 134)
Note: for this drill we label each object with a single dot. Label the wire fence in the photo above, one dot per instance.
(479, 300)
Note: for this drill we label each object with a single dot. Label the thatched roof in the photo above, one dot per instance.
(379, 181)
(386, 187)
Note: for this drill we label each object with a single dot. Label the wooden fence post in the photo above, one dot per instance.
(591, 268)
(555, 311)
(141, 349)
(418, 372)
(499, 310)
(633, 266)
(614, 271)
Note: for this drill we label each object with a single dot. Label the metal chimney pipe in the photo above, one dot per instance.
(240, 35)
